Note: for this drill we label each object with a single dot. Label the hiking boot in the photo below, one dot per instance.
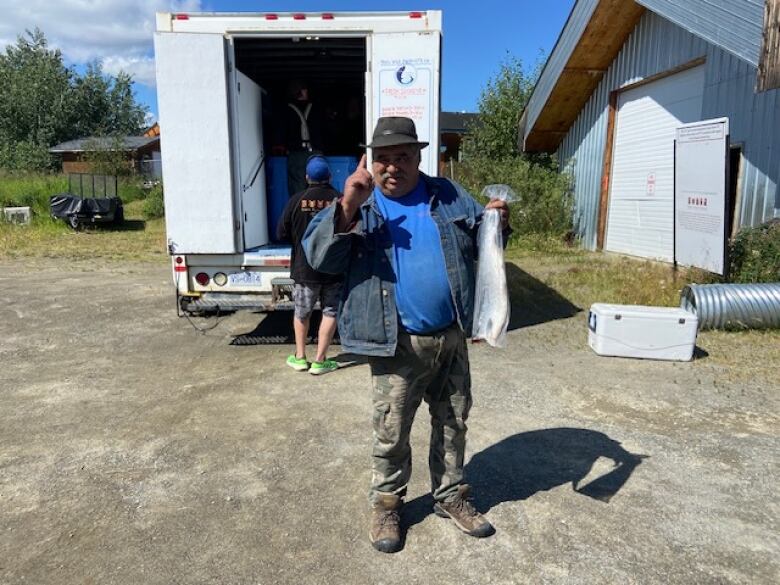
(298, 364)
(323, 367)
(385, 530)
(460, 510)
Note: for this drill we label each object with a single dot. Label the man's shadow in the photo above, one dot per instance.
(533, 302)
(526, 463)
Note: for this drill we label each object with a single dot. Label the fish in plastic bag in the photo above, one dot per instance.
(491, 302)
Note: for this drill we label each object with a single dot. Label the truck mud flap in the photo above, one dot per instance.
(276, 328)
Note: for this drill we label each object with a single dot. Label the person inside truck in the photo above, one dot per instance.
(301, 133)
(311, 286)
(406, 244)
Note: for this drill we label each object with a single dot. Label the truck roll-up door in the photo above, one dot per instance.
(406, 69)
(192, 96)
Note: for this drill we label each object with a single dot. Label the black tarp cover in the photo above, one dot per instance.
(65, 205)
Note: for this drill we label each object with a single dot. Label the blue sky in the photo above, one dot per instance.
(477, 35)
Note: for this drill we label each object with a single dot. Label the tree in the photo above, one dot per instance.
(494, 134)
(105, 105)
(35, 102)
(43, 102)
(491, 155)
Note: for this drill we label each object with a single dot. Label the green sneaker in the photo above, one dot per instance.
(298, 364)
(323, 367)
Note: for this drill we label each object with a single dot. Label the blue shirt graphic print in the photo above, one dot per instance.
(423, 295)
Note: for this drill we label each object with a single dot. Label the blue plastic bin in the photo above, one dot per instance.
(341, 167)
(276, 182)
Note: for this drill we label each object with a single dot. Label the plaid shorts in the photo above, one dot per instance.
(305, 296)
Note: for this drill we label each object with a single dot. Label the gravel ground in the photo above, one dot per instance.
(135, 450)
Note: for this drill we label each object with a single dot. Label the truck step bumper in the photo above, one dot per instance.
(229, 302)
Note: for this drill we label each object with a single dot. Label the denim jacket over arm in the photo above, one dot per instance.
(368, 321)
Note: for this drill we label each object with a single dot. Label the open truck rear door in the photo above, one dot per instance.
(405, 67)
(251, 159)
(193, 98)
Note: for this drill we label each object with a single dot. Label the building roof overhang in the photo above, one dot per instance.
(585, 49)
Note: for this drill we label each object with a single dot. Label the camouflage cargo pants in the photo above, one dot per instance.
(435, 368)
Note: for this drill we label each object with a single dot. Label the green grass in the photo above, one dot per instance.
(136, 239)
(34, 189)
(588, 277)
(548, 280)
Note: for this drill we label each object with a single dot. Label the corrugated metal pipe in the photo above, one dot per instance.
(733, 306)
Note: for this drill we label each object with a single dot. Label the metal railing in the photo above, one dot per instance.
(91, 185)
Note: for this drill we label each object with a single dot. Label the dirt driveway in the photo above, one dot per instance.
(136, 450)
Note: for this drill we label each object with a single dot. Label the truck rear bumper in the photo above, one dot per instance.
(231, 302)
(279, 299)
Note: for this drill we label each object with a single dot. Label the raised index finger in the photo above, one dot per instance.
(363, 162)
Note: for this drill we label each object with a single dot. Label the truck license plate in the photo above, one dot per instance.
(246, 278)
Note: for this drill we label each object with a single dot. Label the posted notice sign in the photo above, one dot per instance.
(701, 153)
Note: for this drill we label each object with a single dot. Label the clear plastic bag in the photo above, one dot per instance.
(491, 302)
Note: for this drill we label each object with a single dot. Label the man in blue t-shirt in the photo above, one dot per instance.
(406, 244)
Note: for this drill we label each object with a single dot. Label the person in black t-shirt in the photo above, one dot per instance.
(310, 285)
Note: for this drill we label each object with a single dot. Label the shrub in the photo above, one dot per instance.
(754, 254)
(154, 206)
(131, 189)
(545, 202)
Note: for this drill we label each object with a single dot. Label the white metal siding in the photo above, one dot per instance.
(640, 220)
(657, 45)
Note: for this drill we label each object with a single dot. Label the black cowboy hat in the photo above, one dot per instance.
(394, 130)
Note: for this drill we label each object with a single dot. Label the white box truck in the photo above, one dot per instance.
(221, 80)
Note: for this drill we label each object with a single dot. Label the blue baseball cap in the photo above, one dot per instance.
(317, 169)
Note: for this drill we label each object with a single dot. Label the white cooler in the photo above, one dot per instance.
(659, 333)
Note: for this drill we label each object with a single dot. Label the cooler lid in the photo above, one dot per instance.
(643, 312)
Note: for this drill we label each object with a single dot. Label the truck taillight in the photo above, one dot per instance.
(415, 15)
(181, 16)
(327, 16)
(271, 17)
(202, 278)
(299, 16)
(179, 265)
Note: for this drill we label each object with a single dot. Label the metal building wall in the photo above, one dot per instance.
(655, 46)
(735, 25)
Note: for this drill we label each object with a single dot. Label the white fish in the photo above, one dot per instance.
(491, 302)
